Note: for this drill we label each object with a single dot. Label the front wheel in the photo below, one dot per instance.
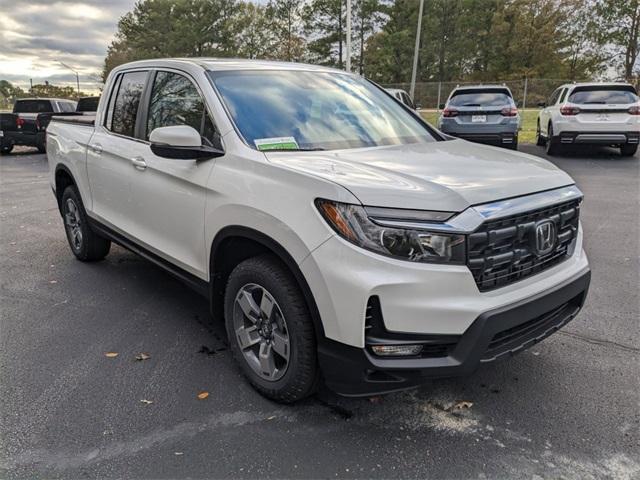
(270, 329)
(628, 150)
(6, 149)
(85, 244)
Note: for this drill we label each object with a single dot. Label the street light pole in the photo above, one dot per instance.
(348, 35)
(415, 53)
(77, 77)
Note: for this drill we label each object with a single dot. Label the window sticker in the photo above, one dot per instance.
(276, 143)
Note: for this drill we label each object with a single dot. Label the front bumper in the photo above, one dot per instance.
(495, 334)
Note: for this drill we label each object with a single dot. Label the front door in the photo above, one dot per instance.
(169, 195)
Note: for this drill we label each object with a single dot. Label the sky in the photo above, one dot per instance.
(36, 35)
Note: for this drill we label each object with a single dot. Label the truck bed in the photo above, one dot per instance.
(78, 119)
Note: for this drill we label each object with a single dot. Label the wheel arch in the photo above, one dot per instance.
(236, 243)
(63, 179)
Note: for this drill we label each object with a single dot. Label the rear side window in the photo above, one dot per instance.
(32, 106)
(67, 106)
(602, 96)
(125, 105)
(480, 98)
(176, 101)
(88, 104)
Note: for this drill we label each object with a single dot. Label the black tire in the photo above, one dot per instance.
(514, 145)
(41, 148)
(540, 140)
(6, 149)
(86, 245)
(553, 146)
(300, 377)
(628, 150)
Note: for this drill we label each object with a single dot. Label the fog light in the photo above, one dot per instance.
(396, 350)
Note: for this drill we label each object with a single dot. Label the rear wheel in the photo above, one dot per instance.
(6, 149)
(553, 146)
(85, 244)
(628, 150)
(540, 140)
(270, 329)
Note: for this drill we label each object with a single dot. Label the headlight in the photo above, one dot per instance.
(352, 223)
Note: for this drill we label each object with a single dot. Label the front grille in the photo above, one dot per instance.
(501, 251)
(521, 336)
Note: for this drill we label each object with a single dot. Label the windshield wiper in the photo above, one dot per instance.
(470, 104)
(595, 103)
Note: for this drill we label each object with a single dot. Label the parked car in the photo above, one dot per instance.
(86, 106)
(590, 114)
(22, 127)
(483, 114)
(338, 236)
(402, 97)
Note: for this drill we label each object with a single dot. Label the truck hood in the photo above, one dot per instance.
(448, 176)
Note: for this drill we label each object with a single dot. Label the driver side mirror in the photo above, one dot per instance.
(441, 106)
(418, 106)
(542, 104)
(181, 142)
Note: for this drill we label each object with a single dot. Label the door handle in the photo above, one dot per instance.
(96, 148)
(139, 163)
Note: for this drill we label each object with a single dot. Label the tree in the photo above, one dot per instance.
(286, 15)
(174, 28)
(620, 32)
(256, 38)
(369, 15)
(324, 24)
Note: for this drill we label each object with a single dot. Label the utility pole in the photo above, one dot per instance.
(524, 97)
(348, 43)
(77, 76)
(415, 53)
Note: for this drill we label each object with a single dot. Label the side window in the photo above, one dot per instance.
(125, 105)
(563, 96)
(554, 97)
(176, 101)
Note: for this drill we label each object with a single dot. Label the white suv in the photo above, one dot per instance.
(590, 113)
(338, 236)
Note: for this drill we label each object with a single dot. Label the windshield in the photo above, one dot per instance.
(289, 110)
(599, 96)
(480, 98)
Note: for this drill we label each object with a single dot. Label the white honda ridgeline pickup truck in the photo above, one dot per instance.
(340, 237)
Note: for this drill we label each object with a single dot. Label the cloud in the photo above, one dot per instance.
(36, 36)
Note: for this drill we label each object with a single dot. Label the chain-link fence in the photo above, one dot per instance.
(527, 92)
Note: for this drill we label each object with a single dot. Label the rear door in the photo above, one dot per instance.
(169, 195)
(112, 150)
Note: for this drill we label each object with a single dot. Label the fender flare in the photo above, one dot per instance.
(281, 253)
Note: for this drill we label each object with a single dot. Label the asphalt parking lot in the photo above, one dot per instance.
(567, 408)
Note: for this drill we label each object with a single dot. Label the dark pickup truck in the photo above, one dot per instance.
(28, 123)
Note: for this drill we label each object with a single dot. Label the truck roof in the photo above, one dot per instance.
(220, 64)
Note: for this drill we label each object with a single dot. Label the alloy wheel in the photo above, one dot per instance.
(261, 332)
(73, 224)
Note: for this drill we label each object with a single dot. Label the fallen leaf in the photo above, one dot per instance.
(146, 402)
(143, 356)
(377, 399)
(461, 405)
(271, 417)
(111, 354)
(53, 281)
(178, 453)
(203, 395)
